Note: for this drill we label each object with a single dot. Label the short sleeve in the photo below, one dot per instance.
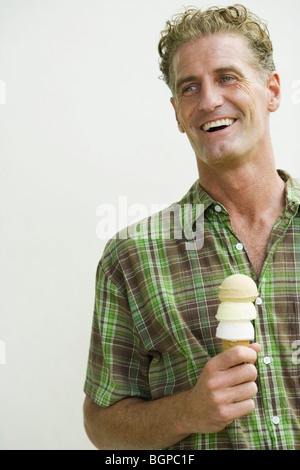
(118, 364)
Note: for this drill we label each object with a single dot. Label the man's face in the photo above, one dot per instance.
(221, 101)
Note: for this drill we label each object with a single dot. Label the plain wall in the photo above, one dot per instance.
(84, 119)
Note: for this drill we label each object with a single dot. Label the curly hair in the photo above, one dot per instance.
(193, 23)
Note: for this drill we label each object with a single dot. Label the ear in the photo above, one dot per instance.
(180, 127)
(273, 86)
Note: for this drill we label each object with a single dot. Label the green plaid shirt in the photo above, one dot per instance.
(154, 322)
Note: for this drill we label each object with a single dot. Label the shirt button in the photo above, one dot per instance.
(218, 208)
(267, 360)
(258, 301)
(275, 420)
(239, 246)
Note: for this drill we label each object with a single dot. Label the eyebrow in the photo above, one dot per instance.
(181, 82)
(228, 69)
(218, 71)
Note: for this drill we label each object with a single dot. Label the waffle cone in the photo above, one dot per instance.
(227, 344)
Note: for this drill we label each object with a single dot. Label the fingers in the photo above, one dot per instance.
(235, 356)
(243, 392)
(225, 388)
(242, 408)
(232, 377)
(240, 374)
(256, 347)
(235, 385)
(231, 403)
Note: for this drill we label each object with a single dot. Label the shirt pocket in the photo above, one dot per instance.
(287, 315)
(287, 339)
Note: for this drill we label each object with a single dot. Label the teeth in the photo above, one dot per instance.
(220, 122)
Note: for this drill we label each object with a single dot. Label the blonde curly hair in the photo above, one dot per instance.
(194, 23)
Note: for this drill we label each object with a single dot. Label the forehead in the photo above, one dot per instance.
(216, 50)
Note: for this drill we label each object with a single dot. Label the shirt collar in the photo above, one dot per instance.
(197, 195)
(292, 199)
(194, 203)
(199, 200)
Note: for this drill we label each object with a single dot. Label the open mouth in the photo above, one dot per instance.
(218, 125)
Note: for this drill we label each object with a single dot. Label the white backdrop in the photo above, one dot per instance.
(84, 119)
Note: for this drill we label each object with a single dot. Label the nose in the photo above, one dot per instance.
(210, 97)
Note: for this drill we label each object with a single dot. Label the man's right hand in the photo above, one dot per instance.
(224, 390)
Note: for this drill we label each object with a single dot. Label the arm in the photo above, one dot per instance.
(133, 423)
(223, 392)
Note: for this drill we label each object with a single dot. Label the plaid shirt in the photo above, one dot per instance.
(154, 322)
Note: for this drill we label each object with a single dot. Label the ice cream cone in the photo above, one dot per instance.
(236, 311)
(227, 344)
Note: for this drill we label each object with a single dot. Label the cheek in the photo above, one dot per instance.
(245, 87)
(253, 101)
(246, 96)
(186, 119)
(188, 107)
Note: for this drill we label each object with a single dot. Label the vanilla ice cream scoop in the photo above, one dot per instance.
(236, 310)
(238, 288)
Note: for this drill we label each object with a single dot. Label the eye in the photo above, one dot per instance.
(227, 79)
(189, 89)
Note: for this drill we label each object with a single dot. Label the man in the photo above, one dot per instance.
(157, 377)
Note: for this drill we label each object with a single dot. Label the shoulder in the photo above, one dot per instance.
(154, 227)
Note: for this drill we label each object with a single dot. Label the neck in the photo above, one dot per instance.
(248, 190)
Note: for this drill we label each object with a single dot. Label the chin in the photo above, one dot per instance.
(221, 157)
(221, 160)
